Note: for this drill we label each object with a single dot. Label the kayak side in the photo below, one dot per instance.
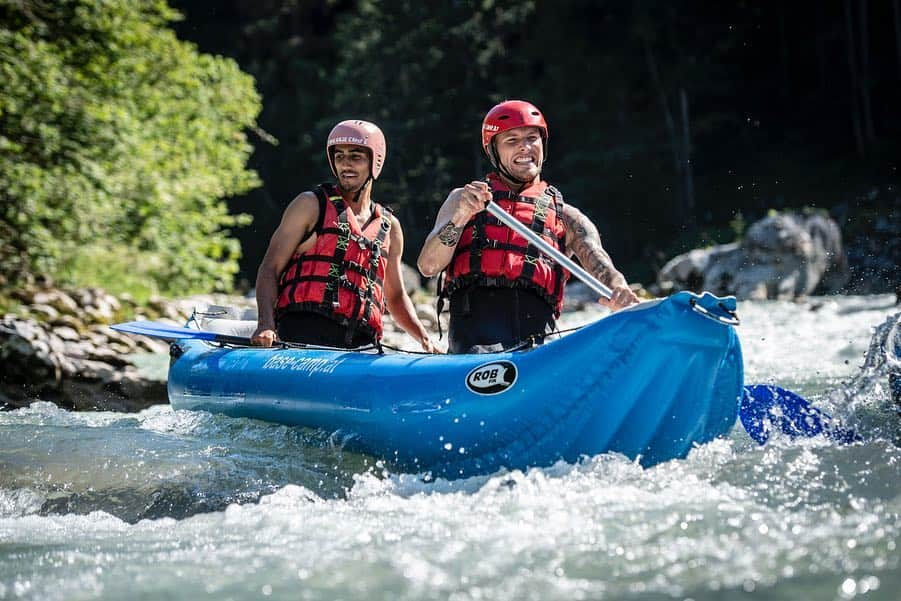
(648, 382)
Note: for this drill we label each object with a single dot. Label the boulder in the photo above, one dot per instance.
(57, 299)
(27, 355)
(783, 256)
(77, 371)
(43, 312)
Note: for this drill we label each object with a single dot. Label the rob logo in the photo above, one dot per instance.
(492, 378)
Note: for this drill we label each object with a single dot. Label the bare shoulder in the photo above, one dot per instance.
(576, 222)
(302, 211)
(304, 202)
(396, 234)
(571, 213)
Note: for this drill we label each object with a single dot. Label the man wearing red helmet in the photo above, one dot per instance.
(334, 264)
(503, 290)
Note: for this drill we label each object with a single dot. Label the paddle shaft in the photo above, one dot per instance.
(564, 261)
(156, 329)
(238, 340)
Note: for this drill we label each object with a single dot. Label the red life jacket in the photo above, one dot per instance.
(341, 276)
(491, 254)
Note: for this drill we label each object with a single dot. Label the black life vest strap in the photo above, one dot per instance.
(336, 273)
(371, 275)
(478, 241)
(559, 278)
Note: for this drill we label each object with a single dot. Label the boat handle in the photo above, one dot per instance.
(730, 319)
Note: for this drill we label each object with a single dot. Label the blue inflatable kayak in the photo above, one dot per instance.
(649, 382)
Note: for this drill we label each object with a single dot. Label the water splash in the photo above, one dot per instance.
(245, 509)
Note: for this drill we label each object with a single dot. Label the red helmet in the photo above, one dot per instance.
(508, 115)
(359, 133)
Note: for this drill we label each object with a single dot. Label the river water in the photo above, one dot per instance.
(165, 505)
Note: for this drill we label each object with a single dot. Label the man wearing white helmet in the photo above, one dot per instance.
(333, 266)
(503, 291)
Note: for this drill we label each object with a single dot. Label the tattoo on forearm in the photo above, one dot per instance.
(585, 242)
(450, 234)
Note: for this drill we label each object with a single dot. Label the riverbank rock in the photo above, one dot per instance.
(783, 256)
(79, 373)
(58, 347)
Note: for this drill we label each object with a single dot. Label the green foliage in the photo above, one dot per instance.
(118, 143)
(111, 267)
(428, 73)
(461, 48)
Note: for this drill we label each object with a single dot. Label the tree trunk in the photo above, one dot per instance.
(868, 129)
(855, 85)
(687, 171)
(783, 55)
(671, 130)
(897, 8)
(820, 41)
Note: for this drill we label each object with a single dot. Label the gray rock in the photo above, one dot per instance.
(26, 354)
(66, 333)
(88, 370)
(83, 297)
(70, 321)
(57, 299)
(108, 356)
(141, 392)
(82, 371)
(43, 312)
(782, 256)
(427, 315)
(97, 314)
(116, 337)
(78, 349)
(152, 345)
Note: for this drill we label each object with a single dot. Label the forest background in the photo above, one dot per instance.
(151, 147)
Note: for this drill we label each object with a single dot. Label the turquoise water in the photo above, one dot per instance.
(164, 505)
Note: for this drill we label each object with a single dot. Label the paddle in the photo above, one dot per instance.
(166, 331)
(157, 329)
(762, 407)
(564, 261)
(766, 409)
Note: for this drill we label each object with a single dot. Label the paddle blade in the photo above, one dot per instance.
(765, 409)
(157, 329)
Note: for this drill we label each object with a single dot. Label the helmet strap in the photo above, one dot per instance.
(361, 188)
(496, 162)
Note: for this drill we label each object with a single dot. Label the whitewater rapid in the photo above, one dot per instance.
(166, 505)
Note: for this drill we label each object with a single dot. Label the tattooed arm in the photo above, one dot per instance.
(461, 205)
(584, 241)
